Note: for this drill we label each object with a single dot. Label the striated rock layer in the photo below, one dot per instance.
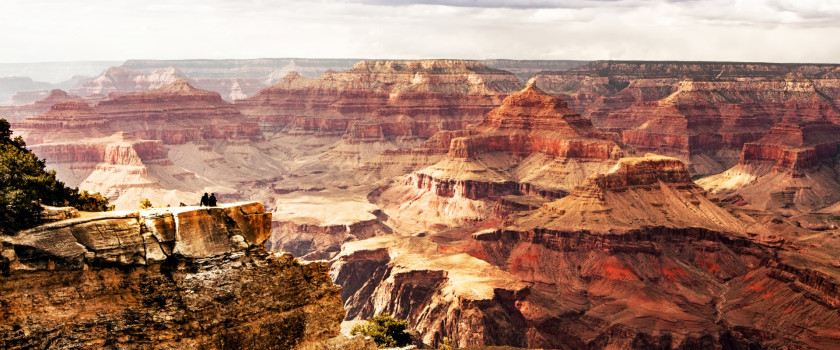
(168, 145)
(18, 113)
(176, 113)
(701, 112)
(792, 168)
(531, 145)
(378, 106)
(186, 278)
(638, 257)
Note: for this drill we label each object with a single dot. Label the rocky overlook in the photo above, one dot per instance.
(175, 277)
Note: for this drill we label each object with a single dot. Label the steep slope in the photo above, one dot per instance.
(636, 257)
(793, 167)
(187, 278)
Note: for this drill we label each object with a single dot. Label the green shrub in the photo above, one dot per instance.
(385, 331)
(25, 185)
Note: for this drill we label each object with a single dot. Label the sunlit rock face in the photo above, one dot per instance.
(130, 146)
(378, 106)
(180, 277)
(532, 146)
(702, 112)
(636, 255)
(793, 168)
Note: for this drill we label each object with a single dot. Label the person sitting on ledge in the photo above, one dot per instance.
(204, 200)
(212, 200)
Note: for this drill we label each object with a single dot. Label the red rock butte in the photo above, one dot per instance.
(795, 144)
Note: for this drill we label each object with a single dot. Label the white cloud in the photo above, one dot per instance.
(745, 30)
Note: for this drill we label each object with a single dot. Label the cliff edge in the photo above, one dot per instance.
(185, 277)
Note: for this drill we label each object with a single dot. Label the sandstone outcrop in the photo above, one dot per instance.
(792, 168)
(180, 277)
(10, 85)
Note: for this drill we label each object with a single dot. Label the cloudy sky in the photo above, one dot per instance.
(733, 30)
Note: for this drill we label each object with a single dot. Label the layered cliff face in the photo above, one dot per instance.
(123, 168)
(17, 113)
(792, 168)
(119, 79)
(168, 145)
(702, 113)
(378, 106)
(662, 193)
(123, 79)
(531, 145)
(10, 85)
(314, 226)
(636, 257)
(185, 278)
(176, 113)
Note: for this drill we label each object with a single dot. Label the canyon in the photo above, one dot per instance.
(532, 204)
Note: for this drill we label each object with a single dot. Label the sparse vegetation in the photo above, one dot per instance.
(385, 330)
(25, 185)
(146, 204)
(445, 344)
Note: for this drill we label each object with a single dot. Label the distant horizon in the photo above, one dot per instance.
(123, 61)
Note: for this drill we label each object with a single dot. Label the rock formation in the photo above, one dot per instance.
(635, 257)
(122, 79)
(378, 106)
(532, 145)
(119, 79)
(10, 85)
(168, 145)
(314, 225)
(17, 113)
(793, 167)
(185, 277)
(702, 113)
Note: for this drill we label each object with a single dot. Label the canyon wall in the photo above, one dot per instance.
(639, 256)
(701, 112)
